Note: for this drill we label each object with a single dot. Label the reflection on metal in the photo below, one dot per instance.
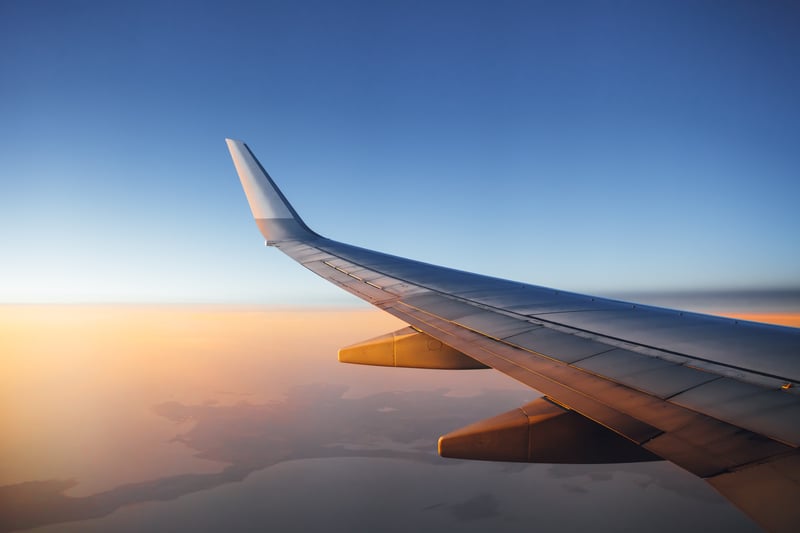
(407, 348)
(541, 432)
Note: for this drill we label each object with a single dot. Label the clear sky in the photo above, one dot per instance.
(593, 146)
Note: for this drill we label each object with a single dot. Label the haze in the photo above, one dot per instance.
(238, 419)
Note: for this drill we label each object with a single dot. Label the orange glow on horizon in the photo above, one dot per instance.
(779, 319)
(87, 377)
(78, 382)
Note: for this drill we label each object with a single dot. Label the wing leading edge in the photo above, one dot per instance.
(716, 396)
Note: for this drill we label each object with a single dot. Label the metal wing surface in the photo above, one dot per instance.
(716, 396)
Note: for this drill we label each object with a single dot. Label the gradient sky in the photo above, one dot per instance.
(592, 146)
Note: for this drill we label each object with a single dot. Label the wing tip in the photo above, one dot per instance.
(274, 215)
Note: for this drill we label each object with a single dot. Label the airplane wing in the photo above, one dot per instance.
(621, 381)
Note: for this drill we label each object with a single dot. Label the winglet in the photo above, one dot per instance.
(274, 215)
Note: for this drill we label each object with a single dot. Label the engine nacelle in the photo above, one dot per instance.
(407, 348)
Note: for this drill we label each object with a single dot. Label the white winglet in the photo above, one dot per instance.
(274, 215)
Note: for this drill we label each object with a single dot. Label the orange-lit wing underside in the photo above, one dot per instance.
(715, 396)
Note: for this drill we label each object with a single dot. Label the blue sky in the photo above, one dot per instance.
(591, 146)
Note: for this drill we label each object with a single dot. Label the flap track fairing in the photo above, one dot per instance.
(407, 348)
(541, 432)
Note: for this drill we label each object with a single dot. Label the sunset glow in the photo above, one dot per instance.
(84, 377)
(77, 383)
(781, 319)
